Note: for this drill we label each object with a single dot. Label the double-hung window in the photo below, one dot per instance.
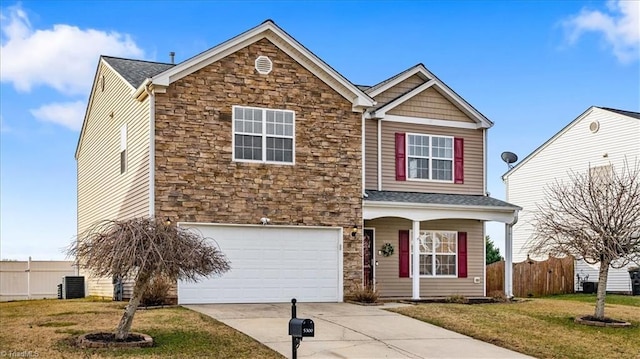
(438, 253)
(430, 157)
(263, 135)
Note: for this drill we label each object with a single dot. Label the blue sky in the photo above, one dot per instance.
(531, 67)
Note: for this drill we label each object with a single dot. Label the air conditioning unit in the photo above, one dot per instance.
(72, 287)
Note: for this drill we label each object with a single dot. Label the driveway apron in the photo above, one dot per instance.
(345, 330)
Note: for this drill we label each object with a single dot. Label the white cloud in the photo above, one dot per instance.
(63, 57)
(619, 25)
(67, 114)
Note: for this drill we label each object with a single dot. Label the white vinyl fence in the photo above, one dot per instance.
(32, 279)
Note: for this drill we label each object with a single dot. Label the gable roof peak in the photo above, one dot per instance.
(285, 42)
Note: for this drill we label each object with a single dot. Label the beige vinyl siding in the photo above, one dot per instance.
(388, 282)
(473, 160)
(399, 89)
(103, 192)
(430, 104)
(371, 154)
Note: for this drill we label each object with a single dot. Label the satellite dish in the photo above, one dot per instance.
(509, 158)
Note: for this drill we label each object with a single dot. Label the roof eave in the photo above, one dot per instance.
(436, 206)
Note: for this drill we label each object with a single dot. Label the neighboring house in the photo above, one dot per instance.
(288, 166)
(595, 141)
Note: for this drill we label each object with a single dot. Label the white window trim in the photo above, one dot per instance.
(263, 135)
(431, 158)
(433, 271)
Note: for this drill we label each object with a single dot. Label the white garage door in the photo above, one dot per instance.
(271, 264)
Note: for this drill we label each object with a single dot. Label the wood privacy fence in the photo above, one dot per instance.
(534, 278)
(32, 279)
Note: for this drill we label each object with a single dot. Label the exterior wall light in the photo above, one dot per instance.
(167, 221)
(354, 231)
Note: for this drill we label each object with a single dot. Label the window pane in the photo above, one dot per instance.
(418, 145)
(239, 126)
(426, 263)
(442, 147)
(248, 147)
(279, 149)
(448, 243)
(288, 118)
(445, 265)
(419, 168)
(442, 170)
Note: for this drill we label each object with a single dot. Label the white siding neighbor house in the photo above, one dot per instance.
(598, 137)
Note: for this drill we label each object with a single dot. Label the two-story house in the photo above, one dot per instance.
(304, 180)
(599, 140)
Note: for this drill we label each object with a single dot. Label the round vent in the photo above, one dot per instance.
(264, 65)
(594, 126)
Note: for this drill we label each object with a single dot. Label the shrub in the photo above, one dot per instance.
(458, 299)
(498, 296)
(157, 293)
(365, 295)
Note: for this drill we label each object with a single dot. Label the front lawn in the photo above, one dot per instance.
(542, 328)
(46, 327)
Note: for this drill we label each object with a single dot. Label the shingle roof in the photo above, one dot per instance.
(136, 71)
(380, 84)
(623, 112)
(437, 198)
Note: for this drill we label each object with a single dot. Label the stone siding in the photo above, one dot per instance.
(196, 179)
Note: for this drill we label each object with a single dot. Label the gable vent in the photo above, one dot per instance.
(264, 65)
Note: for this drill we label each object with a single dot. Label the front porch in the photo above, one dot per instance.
(449, 231)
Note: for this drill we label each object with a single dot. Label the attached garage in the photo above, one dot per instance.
(270, 264)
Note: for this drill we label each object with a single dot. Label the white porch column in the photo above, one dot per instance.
(416, 260)
(508, 260)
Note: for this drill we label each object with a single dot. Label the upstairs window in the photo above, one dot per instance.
(123, 149)
(430, 157)
(263, 135)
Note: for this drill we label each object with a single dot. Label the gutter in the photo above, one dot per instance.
(439, 206)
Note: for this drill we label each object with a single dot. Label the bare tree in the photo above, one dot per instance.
(142, 249)
(595, 216)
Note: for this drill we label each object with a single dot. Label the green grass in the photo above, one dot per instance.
(609, 299)
(49, 328)
(544, 327)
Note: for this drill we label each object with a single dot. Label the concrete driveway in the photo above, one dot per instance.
(345, 330)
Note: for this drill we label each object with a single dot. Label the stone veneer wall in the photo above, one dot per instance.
(196, 179)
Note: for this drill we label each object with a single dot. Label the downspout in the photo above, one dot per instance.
(485, 141)
(363, 172)
(379, 154)
(152, 149)
(508, 256)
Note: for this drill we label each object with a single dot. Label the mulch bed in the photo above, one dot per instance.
(602, 322)
(108, 340)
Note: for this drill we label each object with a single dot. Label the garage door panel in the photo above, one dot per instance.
(271, 264)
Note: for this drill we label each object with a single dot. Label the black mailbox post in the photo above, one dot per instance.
(298, 329)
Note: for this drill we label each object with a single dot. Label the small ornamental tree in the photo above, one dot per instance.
(492, 252)
(141, 249)
(595, 216)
